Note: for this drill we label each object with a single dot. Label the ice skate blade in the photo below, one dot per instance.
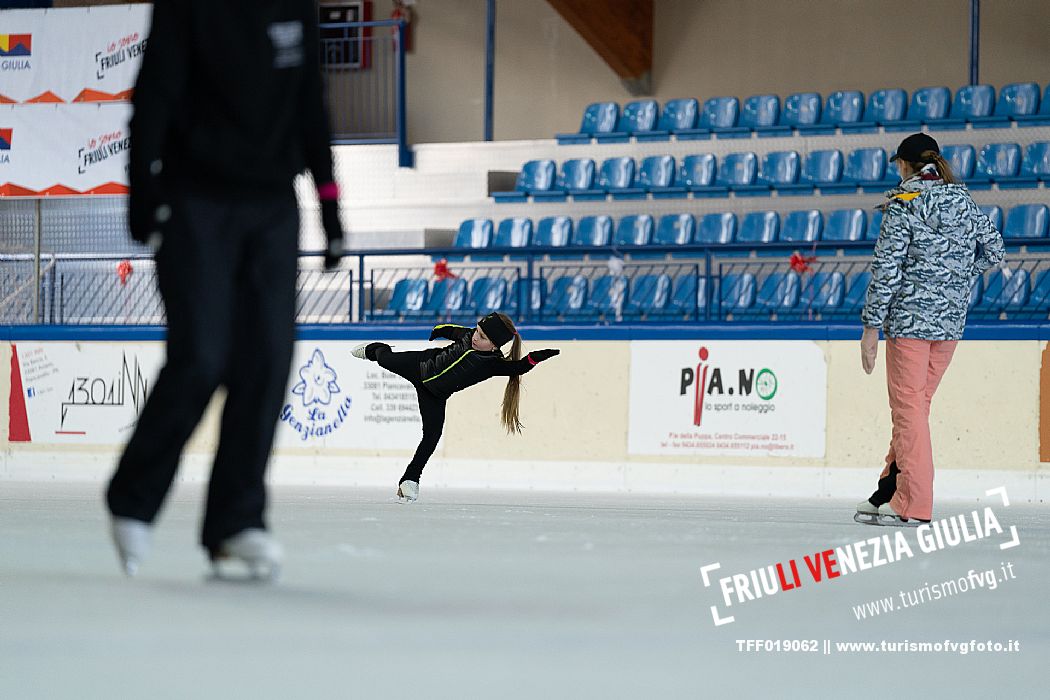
(890, 521)
(233, 570)
(866, 518)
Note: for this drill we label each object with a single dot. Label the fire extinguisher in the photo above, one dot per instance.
(403, 12)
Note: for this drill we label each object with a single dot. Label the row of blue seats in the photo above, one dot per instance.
(1026, 221)
(844, 111)
(786, 172)
(788, 295)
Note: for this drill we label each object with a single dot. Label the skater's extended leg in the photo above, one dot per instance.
(192, 274)
(257, 374)
(403, 364)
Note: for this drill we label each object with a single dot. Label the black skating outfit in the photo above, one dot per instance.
(228, 109)
(437, 373)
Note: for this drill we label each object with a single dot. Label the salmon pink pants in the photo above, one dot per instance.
(913, 371)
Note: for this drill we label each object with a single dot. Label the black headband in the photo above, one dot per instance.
(496, 329)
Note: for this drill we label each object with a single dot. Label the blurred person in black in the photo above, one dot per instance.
(228, 109)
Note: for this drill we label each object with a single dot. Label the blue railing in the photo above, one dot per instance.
(364, 65)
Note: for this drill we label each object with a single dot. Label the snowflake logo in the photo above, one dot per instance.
(317, 381)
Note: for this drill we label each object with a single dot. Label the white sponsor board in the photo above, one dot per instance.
(336, 400)
(85, 393)
(72, 54)
(64, 149)
(758, 398)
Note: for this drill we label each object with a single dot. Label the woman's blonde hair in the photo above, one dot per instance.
(512, 394)
(944, 168)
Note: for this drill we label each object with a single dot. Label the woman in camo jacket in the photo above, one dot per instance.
(933, 244)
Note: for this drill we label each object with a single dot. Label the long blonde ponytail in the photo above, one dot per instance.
(944, 168)
(512, 393)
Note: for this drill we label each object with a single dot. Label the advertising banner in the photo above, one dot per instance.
(754, 398)
(90, 54)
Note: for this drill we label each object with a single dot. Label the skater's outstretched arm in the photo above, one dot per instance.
(513, 368)
(450, 331)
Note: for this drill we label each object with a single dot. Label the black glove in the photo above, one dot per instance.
(333, 231)
(541, 355)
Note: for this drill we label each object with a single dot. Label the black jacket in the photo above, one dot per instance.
(455, 367)
(229, 97)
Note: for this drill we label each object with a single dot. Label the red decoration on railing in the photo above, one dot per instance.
(124, 270)
(441, 271)
(800, 263)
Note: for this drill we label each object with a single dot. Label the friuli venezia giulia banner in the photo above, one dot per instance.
(755, 398)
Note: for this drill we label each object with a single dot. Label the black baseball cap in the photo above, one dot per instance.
(912, 148)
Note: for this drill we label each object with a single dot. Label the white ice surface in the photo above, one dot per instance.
(481, 594)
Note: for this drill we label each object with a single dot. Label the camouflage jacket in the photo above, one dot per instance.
(934, 242)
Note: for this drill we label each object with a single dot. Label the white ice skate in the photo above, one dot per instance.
(408, 492)
(359, 351)
(866, 513)
(253, 547)
(132, 538)
(888, 516)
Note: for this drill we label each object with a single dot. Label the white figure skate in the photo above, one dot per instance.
(408, 492)
(132, 538)
(253, 547)
(359, 351)
(890, 517)
(866, 514)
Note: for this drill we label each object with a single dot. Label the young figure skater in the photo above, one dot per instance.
(934, 243)
(437, 373)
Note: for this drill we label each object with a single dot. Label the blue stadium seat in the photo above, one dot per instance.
(853, 300)
(736, 169)
(976, 289)
(616, 174)
(927, 104)
(598, 118)
(872, 231)
(777, 294)
(638, 116)
(778, 168)
(962, 158)
(655, 174)
(759, 111)
(800, 109)
(472, 234)
(513, 232)
(678, 115)
(688, 299)
(535, 176)
(995, 161)
(672, 230)
(717, 113)
(1016, 99)
(994, 214)
(634, 229)
(803, 226)
(821, 168)
(649, 296)
(1027, 221)
(526, 297)
(487, 294)
(608, 296)
(568, 297)
(716, 229)
(759, 227)
(592, 231)
(971, 102)
(842, 109)
(1005, 290)
(697, 171)
(846, 225)
(553, 232)
(1035, 168)
(865, 168)
(884, 108)
(408, 297)
(1038, 305)
(577, 175)
(448, 297)
(822, 292)
(736, 292)
(1040, 118)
